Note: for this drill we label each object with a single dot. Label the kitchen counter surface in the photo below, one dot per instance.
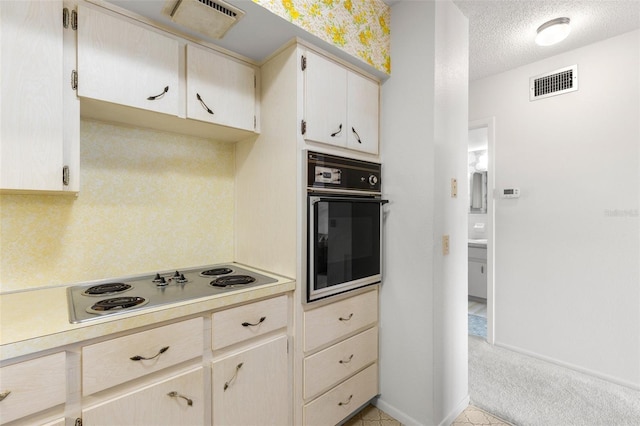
(38, 320)
(479, 243)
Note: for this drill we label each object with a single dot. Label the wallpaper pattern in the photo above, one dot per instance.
(148, 201)
(359, 27)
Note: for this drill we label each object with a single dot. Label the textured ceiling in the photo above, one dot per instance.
(501, 33)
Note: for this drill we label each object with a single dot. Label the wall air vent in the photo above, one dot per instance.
(553, 83)
(212, 18)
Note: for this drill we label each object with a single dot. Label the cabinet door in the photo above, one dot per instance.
(478, 279)
(219, 89)
(32, 386)
(251, 387)
(31, 95)
(126, 64)
(362, 113)
(325, 101)
(178, 400)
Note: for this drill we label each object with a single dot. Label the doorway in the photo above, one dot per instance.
(481, 217)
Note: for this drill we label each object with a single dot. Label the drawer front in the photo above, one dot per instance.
(478, 253)
(32, 386)
(330, 322)
(110, 363)
(161, 403)
(343, 400)
(244, 322)
(334, 364)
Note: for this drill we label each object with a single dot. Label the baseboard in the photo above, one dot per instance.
(407, 420)
(593, 373)
(396, 414)
(456, 412)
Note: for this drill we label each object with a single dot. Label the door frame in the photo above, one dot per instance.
(489, 123)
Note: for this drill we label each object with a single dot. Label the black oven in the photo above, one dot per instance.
(344, 224)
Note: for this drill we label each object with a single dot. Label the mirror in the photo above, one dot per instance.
(478, 181)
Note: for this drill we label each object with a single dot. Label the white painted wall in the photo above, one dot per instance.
(567, 259)
(423, 358)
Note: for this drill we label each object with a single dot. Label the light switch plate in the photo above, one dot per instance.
(454, 188)
(445, 245)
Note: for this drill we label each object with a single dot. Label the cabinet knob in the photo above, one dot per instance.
(346, 318)
(206, 108)
(337, 132)
(357, 135)
(174, 394)
(248, 324)
(140, 358)
(159, 96)
(235, 373)
(4, 394)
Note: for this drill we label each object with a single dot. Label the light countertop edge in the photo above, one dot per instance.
(38, 320)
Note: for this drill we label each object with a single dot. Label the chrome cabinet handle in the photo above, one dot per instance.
(206, 108)
(174, 394)
(347, 318)
(4, 394)
(248, 324)
(357, 135)
(347, 361)
(348, 401)
(235, 373)
(336, 133)
(153, 98)
(140, 358)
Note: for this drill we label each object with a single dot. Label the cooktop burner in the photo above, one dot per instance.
(232, 280)
(116, 303)
(216, 271)
(117, 296)
(106, 289)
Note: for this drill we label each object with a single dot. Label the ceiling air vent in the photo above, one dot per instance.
(212, 18)
(553, 83)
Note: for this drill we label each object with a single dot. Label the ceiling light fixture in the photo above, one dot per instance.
(553, 31)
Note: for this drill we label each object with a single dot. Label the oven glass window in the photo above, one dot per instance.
(346, 238)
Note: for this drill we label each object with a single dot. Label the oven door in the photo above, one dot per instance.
(345, 242)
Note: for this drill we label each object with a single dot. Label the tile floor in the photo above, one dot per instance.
(477, 308)
(471, 416)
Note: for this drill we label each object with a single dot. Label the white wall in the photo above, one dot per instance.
(568, 250)
(423, 356)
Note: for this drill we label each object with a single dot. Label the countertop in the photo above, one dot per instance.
(38, 320)
(478, 243)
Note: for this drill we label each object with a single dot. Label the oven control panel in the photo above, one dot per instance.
(331, 172)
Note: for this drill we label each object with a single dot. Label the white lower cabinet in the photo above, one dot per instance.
(340, 366)
(178, 400)
(340, 402)
(252, 386)
(32, 386)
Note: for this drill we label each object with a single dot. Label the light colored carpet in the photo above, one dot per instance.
(527, 391)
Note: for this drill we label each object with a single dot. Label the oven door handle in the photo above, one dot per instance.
(315, 200)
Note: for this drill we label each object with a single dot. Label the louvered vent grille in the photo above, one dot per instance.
(218, 7)
(554, 83)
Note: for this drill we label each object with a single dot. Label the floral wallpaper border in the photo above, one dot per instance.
(359, 27)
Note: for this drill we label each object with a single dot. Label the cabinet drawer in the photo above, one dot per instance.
(334, 364)
(330, 322)
(110, 363)
(244, 322)
(33, 386)
(161, 403)
(341, 401)
(478, 253)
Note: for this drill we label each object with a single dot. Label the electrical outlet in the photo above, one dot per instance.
(445, 245)
(454, 188)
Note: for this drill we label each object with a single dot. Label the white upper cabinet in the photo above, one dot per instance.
(325, 101)
(33, 132)
(362, 113)
(341, 107)
(127, 64)
(219, 89)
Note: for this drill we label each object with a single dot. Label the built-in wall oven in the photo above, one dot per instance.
(344, 224)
